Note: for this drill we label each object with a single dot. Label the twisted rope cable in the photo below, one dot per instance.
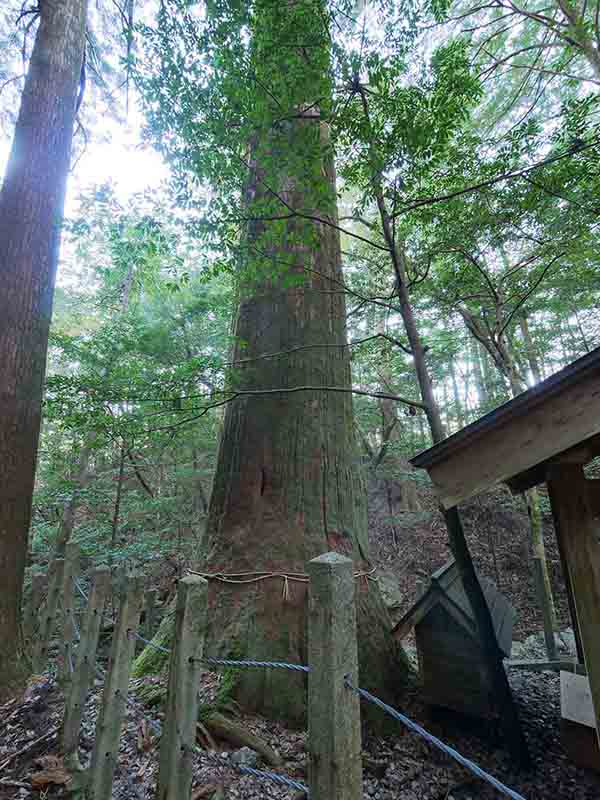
(247, 662)
(429, 737)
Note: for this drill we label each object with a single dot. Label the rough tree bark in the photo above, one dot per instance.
(31, 211)
(287, 485)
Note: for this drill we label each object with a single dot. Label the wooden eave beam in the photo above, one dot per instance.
(519, 444)
(582, 453)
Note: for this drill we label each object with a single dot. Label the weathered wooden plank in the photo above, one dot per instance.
(548, 666)
(40, 650)
(85, 663)
(579, 533)
(576, 699)
(334, 735)
(181, 711)
(114, 695)
(517, 444)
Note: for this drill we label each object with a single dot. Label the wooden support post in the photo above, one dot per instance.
(181, 712)
(85, 664)
(67, 644)
(568, 587)
(334, 735)
(509, 718)
(114, 695)
(42, 643)
(579, 533)
(149, 613)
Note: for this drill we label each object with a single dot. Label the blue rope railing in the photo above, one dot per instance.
(283, 780)
(429, 737)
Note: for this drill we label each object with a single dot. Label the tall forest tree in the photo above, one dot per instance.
(31, 212)
(287, 484)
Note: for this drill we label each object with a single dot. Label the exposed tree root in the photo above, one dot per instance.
(236, 734)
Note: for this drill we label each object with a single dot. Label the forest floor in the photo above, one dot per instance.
(399, 767)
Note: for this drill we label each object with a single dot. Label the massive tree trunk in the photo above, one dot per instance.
(287, 485)
(31, 212)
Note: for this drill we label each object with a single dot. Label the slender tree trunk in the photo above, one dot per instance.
(31, 212)
(287, 486)
(400, 487)
(70, 507)
(117, 507)
(458, 409)
(458, 542)
(494, 394)
(483, 396)
(530, 349)
(584, 341)
(199, 500)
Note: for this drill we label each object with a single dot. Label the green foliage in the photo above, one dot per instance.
(487, 169)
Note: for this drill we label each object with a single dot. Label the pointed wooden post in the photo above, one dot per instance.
(334, 736)
(181, 712)
(114, 695)
(85, 664)
(40, 650)
(67, 644)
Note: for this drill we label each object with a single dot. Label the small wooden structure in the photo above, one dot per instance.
(548, 433)
(450, 656)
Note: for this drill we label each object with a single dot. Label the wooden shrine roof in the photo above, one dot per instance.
(515, 443)
(446, 589)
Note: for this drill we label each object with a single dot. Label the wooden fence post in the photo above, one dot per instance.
(181, 712)
(114, 695)
(334, 737)
(85, 664)
(70, 571)
(40, 650)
